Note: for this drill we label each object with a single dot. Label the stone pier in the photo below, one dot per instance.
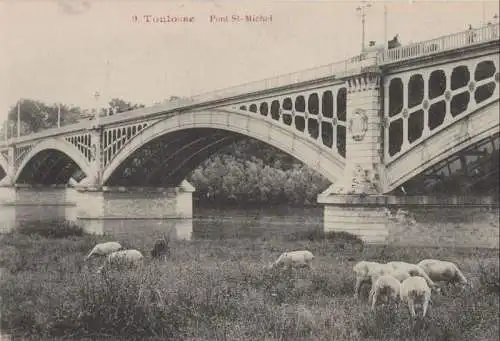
(377, 219)
(118, 208)
(104, 210)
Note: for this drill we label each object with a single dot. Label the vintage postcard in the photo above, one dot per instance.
(205, 170)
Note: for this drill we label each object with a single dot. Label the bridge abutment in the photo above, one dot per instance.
(101, 210)
(434, 221)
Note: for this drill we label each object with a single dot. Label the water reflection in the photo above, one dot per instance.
(237, 223)
(174, 229)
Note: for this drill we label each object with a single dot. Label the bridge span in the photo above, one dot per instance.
(412, 120)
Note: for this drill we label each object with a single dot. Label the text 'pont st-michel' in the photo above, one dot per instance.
(235, 18)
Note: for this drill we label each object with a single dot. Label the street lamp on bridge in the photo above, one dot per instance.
(96, 96)
(362, 10)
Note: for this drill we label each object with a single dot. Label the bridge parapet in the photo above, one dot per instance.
(445, 43)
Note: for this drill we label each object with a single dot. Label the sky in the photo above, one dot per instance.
(65, 50)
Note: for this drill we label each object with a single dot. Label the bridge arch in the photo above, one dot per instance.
(59, 145)
(481, 124)
(315, 155)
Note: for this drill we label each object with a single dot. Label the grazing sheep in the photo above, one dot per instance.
(294, 258)
(161, 248)
(415, 290)
(129, 257)
(385, 285)
(368, 272)
(413, 270)
(443, 271)
(104, 249)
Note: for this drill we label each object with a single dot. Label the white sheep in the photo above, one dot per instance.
(386, 285)
(294, 258)
(130, 257)
(443, 271)
(104, 249)
(367, 272)
(413, 270)
(415, 290)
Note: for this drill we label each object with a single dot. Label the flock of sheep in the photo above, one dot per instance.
(396, 281)
(411, 283)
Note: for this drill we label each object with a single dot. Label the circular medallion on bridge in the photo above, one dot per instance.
(472, 86)
(335, 121)
(497, 77)
(358, 124)
(447, 95)
(425, 105)
(293, 112)
(405, 113)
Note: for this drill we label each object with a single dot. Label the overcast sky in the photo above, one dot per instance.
(56, 51)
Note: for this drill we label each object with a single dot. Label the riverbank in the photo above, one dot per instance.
(219, 290)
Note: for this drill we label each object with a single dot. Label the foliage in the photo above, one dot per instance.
(122, 106)
(237, 174)
(36, 116)
(220, 290)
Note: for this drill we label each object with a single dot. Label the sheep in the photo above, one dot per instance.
(160, 248)
(414, 289)
(387, 285)
(368, 272)
(413, 270)
(443, 271)
(103, 249)
(294, 258)
(129, 257)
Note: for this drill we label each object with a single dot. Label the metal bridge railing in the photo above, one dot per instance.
(445, 43)
(334, 69)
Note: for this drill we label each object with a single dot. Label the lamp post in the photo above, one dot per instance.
(11, 124)
(19, 119)
(386, 42)
(59, 115)
(96, 96)
(362, 10)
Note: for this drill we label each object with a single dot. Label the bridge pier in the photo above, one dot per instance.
(101, 210)
(27, 203)
(107, 209)
(434, 221)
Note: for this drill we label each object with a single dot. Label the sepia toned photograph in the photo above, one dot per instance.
(266, 170)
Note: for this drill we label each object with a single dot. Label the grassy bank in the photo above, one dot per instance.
(218, 290)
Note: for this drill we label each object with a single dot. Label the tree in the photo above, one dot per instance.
(36, 116)
(122, 106)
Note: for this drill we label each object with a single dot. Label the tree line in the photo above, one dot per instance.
(247, 172)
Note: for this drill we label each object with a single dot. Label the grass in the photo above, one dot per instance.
(218, 290)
